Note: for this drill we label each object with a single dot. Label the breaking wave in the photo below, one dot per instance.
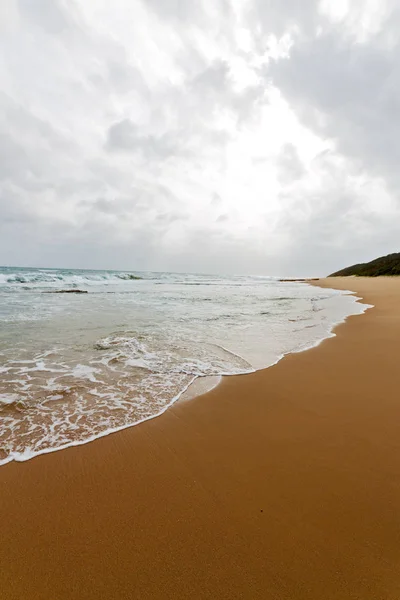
(74, 367)
(53, 278)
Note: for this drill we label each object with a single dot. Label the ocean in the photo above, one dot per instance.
(75, 367)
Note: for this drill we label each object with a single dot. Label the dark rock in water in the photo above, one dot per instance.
(300, 280)
(66, 292)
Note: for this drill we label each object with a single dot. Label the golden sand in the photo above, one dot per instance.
(283, 484)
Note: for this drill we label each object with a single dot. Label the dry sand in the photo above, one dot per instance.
(283, 484)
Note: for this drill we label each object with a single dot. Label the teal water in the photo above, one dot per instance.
(74, 367)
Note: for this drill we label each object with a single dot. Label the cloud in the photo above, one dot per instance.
(349, 91)
(290, 167)
(125, 136)
(47, 14)
(277, 18)
(222, 218)
(336, 221)
(209, 136)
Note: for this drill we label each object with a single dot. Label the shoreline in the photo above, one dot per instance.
(198, 386)
(284, 483)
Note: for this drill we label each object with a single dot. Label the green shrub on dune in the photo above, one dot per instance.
(385, 265)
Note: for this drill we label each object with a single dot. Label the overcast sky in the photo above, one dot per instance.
(230, 136)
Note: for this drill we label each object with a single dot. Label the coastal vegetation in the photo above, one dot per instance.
(385, 265)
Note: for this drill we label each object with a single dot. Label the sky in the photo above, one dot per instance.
(216, 136)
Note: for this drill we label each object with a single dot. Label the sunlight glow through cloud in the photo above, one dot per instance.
(129, 130)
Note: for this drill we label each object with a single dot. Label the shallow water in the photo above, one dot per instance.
(74, 367)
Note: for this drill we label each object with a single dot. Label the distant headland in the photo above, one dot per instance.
(385, 265)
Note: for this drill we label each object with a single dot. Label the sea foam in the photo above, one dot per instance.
(78, 368)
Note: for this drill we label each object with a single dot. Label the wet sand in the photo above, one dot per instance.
(283, 484)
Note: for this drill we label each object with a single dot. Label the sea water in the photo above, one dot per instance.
(75, 367)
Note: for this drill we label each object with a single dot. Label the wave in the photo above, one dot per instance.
(129, 277)
(102, 365)
(46, 278)
(49, 402)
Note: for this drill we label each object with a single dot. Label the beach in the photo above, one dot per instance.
(280, 484)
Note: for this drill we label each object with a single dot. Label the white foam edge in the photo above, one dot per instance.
(29, 454)
(330, 333)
